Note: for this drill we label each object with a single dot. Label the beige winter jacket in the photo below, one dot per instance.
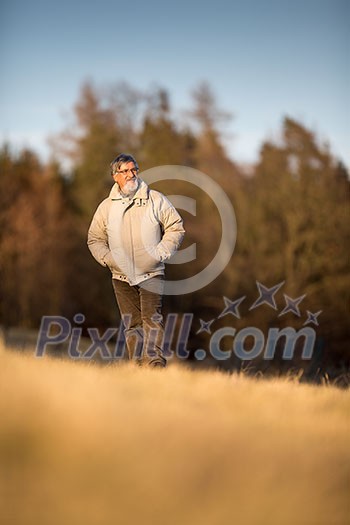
(133, 236)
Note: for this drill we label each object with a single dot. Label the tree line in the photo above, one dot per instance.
(292, 212)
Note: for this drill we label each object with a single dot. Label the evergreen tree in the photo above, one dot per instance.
(298, 226)
(161, 142)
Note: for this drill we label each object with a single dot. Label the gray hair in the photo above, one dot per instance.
(121, 159)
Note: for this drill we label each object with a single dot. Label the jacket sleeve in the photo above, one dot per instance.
(172, 228)
(97, 239)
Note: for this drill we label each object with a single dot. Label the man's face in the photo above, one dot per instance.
(126, 178)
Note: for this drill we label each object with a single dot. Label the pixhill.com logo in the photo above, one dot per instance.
(56, 330)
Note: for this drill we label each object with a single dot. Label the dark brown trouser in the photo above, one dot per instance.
(141, 311)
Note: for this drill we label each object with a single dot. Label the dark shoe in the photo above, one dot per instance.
(157, 364)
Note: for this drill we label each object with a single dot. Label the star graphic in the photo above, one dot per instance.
(231, 307)
(312, 318)
(292, 305)
(266, 295)
(205, 326)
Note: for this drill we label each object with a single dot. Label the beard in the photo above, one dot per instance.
(130, 187)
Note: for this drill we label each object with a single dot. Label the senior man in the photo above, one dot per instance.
(133, 231)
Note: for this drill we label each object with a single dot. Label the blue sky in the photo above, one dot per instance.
(263, 59)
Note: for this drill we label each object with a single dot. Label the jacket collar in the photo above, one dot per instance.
(141, 193)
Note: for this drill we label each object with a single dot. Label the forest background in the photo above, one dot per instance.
(291, 206)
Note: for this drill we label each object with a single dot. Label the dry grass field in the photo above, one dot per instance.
(94, 444)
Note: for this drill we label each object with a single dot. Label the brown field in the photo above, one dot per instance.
(94, 444)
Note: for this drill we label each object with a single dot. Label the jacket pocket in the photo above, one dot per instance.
(110, 261)
(146, 260)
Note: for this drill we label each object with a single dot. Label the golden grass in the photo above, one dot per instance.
(91, 444)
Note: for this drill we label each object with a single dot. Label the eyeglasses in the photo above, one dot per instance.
(134, 171)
